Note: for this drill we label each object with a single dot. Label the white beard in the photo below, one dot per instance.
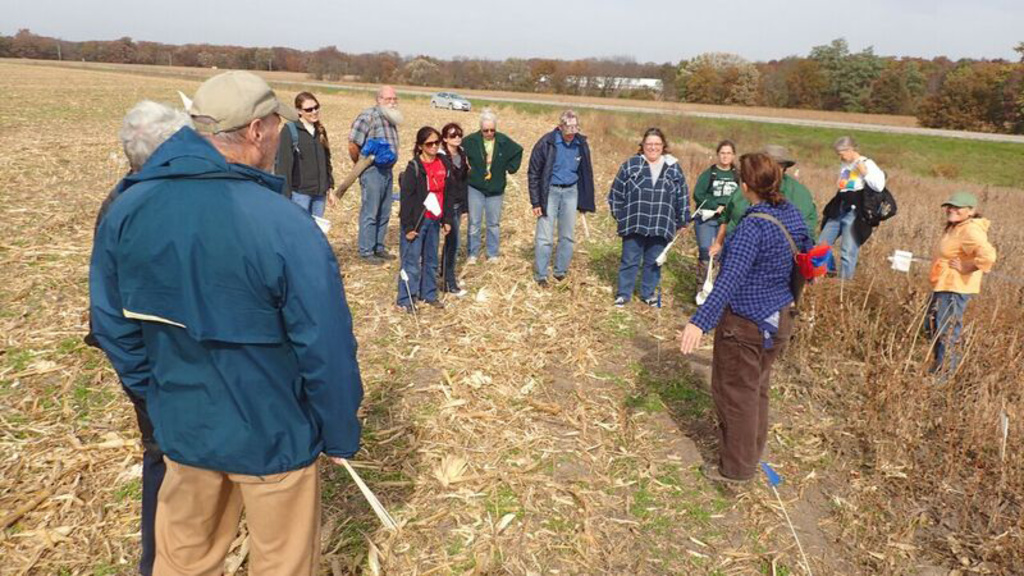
(393, 115)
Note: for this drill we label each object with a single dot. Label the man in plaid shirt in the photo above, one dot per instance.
(380, 121)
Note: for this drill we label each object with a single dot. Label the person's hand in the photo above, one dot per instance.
(445, 229)
(862, 167)
(962, 267)
(719, 210)
(330, 199)
(411, 235)
(714, 249)
(537, 211)
(689, 338)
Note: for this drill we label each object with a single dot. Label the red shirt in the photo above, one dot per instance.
(436, 176)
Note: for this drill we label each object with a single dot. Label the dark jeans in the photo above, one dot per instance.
(634, 248)
(945, 321)
(419, 262)
(740, 371)
(153, 470)
(449, 252)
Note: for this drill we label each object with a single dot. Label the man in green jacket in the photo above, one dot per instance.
(792, 189)
(491, 155)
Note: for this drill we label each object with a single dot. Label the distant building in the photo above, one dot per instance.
(610, 83)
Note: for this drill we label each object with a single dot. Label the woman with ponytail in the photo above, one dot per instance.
(751, 308)
(304, 157)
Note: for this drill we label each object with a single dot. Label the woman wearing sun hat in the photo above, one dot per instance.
(962, 255)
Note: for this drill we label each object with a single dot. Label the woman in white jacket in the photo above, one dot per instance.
(855, 172)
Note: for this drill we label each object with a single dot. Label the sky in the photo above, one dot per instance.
(652, 31)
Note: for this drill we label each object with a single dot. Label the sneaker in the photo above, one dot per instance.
(493, 259)
(371, 259)
(559, 277)
(543, 283)
(620, 302)
(436, 304)
(407, 309)
(652, 302)
(471, 260)
(712, 473)
(384, 255)
(459, 292)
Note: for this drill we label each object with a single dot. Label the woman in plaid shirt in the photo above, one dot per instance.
(751, 307)
(650, 201)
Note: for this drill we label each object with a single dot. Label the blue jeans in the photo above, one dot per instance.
(561, 208)
(706, 232)
(312, 204)
(849, 248)
(375, 210)
(419, 260)
(945, 320)
(635, 247)
(478, 206)
(449, 253)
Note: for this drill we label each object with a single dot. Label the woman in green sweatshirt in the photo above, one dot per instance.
(491, 155)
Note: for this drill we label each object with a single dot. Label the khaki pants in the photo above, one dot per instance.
(740, 372)
(198, 513)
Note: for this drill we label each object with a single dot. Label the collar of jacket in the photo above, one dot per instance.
(186, 154)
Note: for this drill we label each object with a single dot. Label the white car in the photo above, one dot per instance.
(451, 101)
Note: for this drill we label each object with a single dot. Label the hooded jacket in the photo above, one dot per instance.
(220, 302)
(967, 241)
(542, 164)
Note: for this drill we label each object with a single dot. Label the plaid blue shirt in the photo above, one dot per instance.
(642, 206)
(756, 264)
(372, 124)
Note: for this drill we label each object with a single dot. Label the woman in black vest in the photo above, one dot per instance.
(457, 163)
(304, 157)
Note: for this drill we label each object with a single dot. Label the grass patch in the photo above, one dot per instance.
(504, 500)
(679, 390)
(130, 491)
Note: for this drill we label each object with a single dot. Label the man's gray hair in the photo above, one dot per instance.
(488, 115)
(844, 143)
(566, 116)
(145, 127)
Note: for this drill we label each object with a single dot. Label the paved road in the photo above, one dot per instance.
(553, 100)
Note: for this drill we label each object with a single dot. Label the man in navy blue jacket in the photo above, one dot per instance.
(561, 182)
(220, 303)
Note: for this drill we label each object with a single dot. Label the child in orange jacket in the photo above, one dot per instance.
(961, 257)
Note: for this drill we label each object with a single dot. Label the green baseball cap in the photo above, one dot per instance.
(962, 200)
(232, 100)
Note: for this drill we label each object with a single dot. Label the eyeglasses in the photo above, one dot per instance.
(570, 128)
(311, 110)
(487, 130)
(432, 143)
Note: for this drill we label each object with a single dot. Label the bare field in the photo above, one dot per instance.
(791, 113)
(521, 431)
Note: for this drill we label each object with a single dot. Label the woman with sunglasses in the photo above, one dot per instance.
(304, 157)
(456, 189)
(424, 176)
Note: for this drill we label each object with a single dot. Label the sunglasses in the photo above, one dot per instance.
(455, 135)
(487, 130)
(311, 110)
(432, 143)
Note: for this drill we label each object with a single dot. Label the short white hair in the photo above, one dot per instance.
(844, 143)
(145, 127)
(488, 115)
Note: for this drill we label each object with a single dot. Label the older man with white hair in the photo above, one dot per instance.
(144, 128)
(201, 282)
(491, 156)
(377, 122)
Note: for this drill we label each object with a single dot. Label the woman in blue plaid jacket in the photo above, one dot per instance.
(650, 201)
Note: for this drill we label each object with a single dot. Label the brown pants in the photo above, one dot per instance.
(740, 373)
(198, 513)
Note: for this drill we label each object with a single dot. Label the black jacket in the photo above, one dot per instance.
(542, 163)
(861, 228)
(457, 185)
(412, 190)
(312, 174)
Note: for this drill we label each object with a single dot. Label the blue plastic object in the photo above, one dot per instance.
(773, 477)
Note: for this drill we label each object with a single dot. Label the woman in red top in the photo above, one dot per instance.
(425, 215)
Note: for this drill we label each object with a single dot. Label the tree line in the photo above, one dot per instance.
(979, 95)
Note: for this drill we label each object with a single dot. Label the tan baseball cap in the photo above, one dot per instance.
(232, 100)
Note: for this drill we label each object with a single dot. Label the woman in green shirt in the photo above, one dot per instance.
(714, 188)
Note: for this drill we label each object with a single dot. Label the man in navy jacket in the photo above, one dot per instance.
(561, 180)
(220, 303)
